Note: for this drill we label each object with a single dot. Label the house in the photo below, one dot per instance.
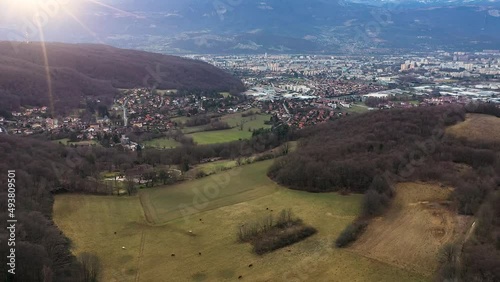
(124, 140)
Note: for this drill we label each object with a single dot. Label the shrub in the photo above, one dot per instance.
(264, 157)
(249, 114)
(381, 185)
(448, 253)
(350, 234)
(218, 125)
(281, 238)
(374, 203)
(251, 230)
(268, 234)
(198, 120)
(200, 174)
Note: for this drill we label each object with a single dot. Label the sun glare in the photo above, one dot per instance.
(27, 3)
(23, 7)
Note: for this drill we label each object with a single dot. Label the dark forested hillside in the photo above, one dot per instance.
(42, 252)
(85, 70)
(42, 169)
(349, 153)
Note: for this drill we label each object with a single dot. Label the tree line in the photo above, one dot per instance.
(42, 168)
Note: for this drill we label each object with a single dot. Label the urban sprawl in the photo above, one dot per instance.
(297, 90)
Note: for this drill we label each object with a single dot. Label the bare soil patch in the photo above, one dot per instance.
(413, 230)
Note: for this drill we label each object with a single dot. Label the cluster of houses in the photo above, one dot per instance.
(316, 101)
(137, 110)
(304, 113)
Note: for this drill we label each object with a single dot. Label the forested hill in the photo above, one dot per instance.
(371, 153)
(85, 70)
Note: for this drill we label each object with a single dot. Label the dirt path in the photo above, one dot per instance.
(469, 233)
(466, 238)
(149, 212)
(141, 254)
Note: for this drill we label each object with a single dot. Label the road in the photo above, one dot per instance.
(287, 112)
(125, 119)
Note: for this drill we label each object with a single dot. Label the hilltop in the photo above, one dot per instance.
(86, 70)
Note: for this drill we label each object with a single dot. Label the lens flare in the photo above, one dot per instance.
(25, 5)
(36, 14)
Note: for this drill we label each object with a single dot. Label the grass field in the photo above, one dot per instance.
(90, 222)
(211, 168)
(478, 127)
(66, 142)
(220, 136)
(218, 166)
(227, 188)
(358, 109)
(413, 231)
(161, 143)
(233, 134)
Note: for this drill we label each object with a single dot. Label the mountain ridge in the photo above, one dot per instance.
(278, 26)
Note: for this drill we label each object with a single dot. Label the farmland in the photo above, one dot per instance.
(237, 131)
(190, 233)
(203, 137)
(478, 127)
(227, 188)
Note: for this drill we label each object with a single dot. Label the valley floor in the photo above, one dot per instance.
(169, 249)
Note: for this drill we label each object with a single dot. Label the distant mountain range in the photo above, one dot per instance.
(278, 26)
(77, 72)
(425, 2)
